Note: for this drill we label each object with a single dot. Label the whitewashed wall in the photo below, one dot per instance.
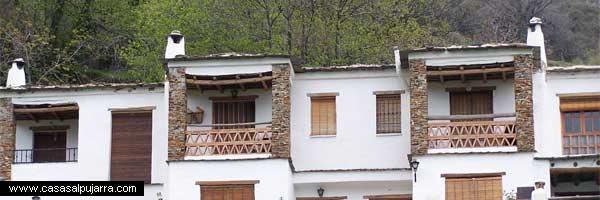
(503, 95)
(356, 144)
(520, 168)
(25, 134)
(274, 176)
(94, 133)
(355, 190)
(560, 83)
(263, 103)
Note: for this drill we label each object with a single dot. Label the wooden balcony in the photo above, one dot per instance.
(471, 134)
(239, 141)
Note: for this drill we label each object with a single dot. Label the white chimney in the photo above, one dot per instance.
(535, 37)
(16, 74)
(397, 59)
(175, 45)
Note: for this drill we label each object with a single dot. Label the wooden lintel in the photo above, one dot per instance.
(31, 116)
(462, 75)
(484, 74)
(323, 94)
(322, 198)
(46, 110)
(473, 175)
(133, 109)
(215, 82)
(389, 196)
(242, 86)
(56, 116)
(441, 77)
(503, 73)
(472, 89)
(466, 117)
(237, 98)
(389, 92)
(49, 128)
(462, 71)
(225, 183)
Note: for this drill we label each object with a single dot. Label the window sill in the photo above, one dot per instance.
(322, 136)
(388, 134)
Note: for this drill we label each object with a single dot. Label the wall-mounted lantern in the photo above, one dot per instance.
(414, 165)
(320, 191)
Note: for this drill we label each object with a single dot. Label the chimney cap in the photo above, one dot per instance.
(535, 20)
(17, 60)
(175, 32)
(396, 48)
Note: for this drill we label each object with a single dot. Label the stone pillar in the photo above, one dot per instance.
(281, 106)
(177, 112)
(524, 103)
(418, 106)
(7, 137)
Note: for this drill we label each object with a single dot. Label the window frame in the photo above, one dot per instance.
(321, 97)
(592, 148)
(388, 96)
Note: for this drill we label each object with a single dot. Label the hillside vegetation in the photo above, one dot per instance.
(81, 41)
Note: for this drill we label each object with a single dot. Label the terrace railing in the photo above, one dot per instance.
(228, 141)
(472, 134)
(46, 155)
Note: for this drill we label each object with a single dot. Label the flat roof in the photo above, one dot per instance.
(353, 67)
(79, 86)
(229, 55)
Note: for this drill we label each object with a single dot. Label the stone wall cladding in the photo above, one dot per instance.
(524, 102)
(281, 107)
(177, 113)
(418, 106)
(7, 137)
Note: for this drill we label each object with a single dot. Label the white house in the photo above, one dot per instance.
(460, 122)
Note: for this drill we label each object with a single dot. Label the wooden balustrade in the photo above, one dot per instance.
(228, 141)
(471, 134)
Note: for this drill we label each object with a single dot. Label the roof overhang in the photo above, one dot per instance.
(56, 111)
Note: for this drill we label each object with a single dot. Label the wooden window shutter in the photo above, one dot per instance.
(233, 111)
(471, 103)
(583, 103)
(388, 113)
(323, 117)
(483, 188)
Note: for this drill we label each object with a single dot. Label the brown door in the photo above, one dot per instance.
(233, 112)
(471, 103)
(484, 188)
(237, 192)
(131, 152)
(49, 146)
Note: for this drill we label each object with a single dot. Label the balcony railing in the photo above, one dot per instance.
(472, 134)
(46, 155)
(228, 141)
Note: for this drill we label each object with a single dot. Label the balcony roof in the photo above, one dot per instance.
(46, 111)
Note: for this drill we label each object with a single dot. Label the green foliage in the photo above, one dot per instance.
(80, 41)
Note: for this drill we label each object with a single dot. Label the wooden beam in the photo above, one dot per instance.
(484, 75)
(463, 117)
(56, 116)
(503, 73)
(49, 128)
(441, 77)
(32, 117)
(237, 77)
(225, 183)
(323, 94)
(462, 75)
(132, 109)
(575, 170)
(389, 196)
(322, 198)
(228, 82)
(473, 175)
(237, 98)
(463, 71)
(46, 110)
(473, 89)
(398, 92)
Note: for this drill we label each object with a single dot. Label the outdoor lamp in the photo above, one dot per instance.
(35, 198)
(414, 165)
(320, 191)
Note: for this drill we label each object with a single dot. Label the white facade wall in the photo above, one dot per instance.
(356, 144)
(503, 95)
(561, 83)
(91, 133)
(520, 168)
(274, 176)
(355, 190)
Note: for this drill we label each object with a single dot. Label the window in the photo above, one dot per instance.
(388, 113)
(226, 190)
(474, 188)
(323, 115)
(233, 111)
(580, 124)
(49, 146)
(131, 146)
(471, 103)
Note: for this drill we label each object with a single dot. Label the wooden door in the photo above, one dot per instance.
(131, 152)
(482, 188)
(49, 146)
(471, 103)
(233, 192)
(233, 112)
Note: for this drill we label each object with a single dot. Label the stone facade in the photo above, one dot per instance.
(281, 107)
(418, 107)
(7, 137)
(524, 102)
(177, 113)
